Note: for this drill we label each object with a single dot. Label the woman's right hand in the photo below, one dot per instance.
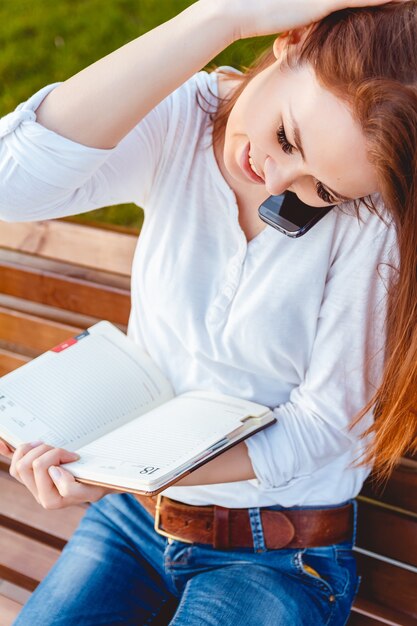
(252, 18)
(31, 465)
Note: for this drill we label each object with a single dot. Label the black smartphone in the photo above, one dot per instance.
(289, 215)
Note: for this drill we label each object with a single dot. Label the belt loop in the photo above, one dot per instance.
(257, 529)
(221, 528)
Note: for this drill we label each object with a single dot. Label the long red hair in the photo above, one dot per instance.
(368, 58)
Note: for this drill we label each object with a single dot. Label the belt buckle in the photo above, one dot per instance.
(157, 527)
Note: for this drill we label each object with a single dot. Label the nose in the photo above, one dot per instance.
(278, 177)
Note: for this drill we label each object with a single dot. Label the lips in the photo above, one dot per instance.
(244, 163)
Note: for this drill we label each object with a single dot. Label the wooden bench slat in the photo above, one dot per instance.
(386, 532)
(96, 247)
(24, 561)
(388, 585)
(19, 511)
(45, 312)
(356, 619)
(67, 292)
(10, 361)
(4, 464)
(366, 613)
(31, 334)
(9, 610)
(13, 592)
(96, 275)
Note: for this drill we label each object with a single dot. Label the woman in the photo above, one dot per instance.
(266, 529)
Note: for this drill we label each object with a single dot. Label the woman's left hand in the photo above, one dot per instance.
(38, 467)
(267, 17)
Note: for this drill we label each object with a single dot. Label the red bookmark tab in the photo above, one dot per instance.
(64, 345)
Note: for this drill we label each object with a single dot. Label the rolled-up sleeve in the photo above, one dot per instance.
(45, 175)
(345, 368)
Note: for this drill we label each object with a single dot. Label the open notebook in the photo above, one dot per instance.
(100, 395)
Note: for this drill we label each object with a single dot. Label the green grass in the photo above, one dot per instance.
(45, 41)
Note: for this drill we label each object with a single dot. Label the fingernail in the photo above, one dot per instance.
(33, 444)
(54, 473)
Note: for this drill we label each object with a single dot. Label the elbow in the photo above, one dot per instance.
(298, 445)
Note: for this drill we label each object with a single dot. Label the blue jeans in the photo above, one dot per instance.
(116, 570)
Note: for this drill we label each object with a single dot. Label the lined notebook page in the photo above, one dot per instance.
(164, 438)
(68, 398)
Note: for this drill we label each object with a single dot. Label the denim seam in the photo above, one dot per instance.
(173, 577)
(331, 614)
(348, 577)
(172, 562)
(318, 582)
(182, 603)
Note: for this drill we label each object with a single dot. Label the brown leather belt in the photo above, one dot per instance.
(230, 528)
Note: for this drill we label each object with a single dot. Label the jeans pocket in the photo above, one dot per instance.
(311, 571)
(320, 567)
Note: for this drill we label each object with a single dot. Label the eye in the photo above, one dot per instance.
(283, 141)
(324, 195)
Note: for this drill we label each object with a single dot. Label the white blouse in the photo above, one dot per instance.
(295, 324)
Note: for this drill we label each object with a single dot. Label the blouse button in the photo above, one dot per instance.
(228, 292)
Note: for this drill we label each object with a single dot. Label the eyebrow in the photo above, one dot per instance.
(299, 146)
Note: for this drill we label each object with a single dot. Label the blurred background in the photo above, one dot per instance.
(45, 41)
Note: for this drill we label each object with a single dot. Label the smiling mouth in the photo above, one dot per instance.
(253, 166)
(248, 166)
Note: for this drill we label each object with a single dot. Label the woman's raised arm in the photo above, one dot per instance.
(98, 106)
(102, 103)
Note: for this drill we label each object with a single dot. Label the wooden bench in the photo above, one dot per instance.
(57, 278)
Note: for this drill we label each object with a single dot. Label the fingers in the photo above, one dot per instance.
(357, 4)
(5, 450)
(29, 466)
(72, 491)
(21, 465)
(48, 494)
(37, 466)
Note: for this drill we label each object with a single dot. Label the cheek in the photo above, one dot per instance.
(233, 147)
(237, 135)
(249, 118)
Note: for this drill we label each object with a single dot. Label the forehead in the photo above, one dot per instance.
(334, 145)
